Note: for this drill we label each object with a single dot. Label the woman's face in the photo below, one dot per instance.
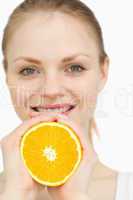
(54, 59)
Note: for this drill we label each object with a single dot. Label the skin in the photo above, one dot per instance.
(54, 82)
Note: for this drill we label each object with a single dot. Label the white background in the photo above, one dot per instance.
(114, 113)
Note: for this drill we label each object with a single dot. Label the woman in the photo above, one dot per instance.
(54, 55)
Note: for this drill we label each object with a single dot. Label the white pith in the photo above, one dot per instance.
(49, 153)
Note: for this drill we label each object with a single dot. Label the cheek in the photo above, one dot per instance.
(19, 96)
(89, 91)
(21, 91)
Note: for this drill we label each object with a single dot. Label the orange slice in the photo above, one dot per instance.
(51, 152)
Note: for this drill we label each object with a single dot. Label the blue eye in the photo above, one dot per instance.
(76, 68)
(27, 71)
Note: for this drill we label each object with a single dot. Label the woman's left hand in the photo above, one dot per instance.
(77, 185)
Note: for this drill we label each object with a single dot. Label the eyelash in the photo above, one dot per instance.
(81, 68)
(26, 69)
(30, 68)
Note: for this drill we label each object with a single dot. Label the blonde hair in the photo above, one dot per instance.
(74, 8)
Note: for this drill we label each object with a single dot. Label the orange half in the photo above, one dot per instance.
(51, 152)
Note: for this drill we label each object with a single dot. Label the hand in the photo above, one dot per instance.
(77, 185)
(17, 179)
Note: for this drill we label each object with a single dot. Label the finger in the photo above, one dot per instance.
(13, 139)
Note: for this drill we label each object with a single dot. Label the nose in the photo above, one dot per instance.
(52, 86)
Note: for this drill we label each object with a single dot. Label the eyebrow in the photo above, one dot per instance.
(38, 62)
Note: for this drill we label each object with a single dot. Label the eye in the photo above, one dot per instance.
(26, 71)
(76, 68)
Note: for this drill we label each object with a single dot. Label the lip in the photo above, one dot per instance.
(33, 113)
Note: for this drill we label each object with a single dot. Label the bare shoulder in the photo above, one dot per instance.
(103, 183)
(102, 171)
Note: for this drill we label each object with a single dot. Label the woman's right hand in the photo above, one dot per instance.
(17, 179)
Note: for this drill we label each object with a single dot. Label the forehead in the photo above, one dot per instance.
(53, 36)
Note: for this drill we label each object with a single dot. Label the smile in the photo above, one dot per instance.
(57, 109)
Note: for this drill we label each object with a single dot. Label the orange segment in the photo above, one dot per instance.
(51, 152)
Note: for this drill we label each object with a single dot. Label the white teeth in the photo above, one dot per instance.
(53, 110)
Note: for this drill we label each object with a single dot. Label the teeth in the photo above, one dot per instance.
(53, 109)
